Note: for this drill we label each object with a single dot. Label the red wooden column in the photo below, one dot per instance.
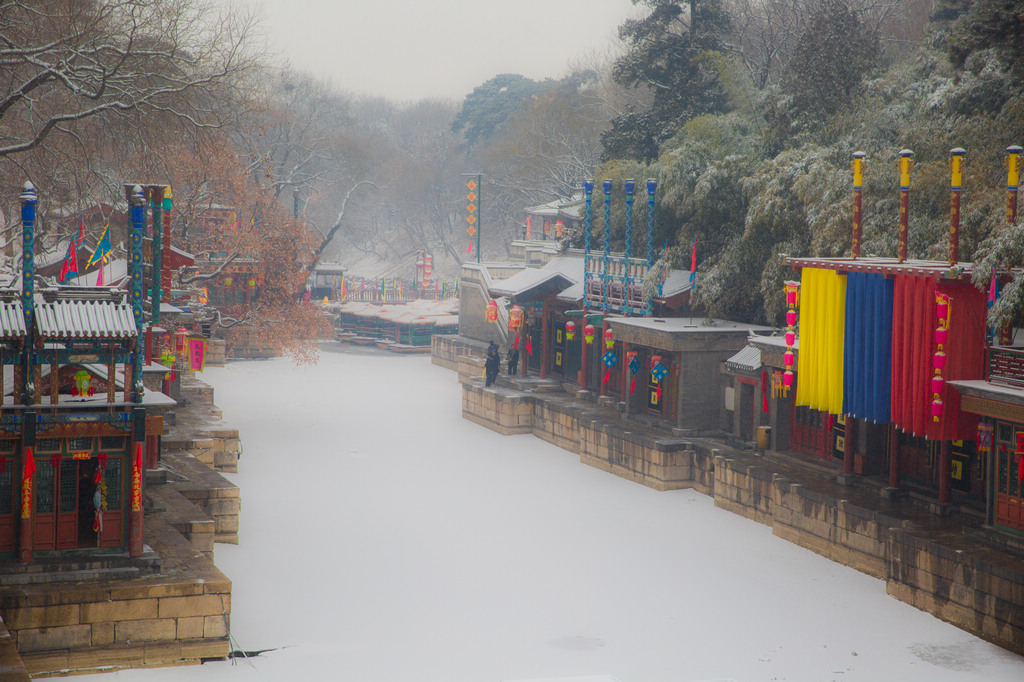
(625, 373)
(584, 358)
(524, 359)
(544, 342)
(137, 468)
(26, 500)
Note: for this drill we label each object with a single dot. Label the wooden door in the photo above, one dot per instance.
(1009, 486)
(45, 527)
(67, 504)
(113, 518)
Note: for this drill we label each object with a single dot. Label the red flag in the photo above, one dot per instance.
(693, 261)
(764, 392)
(515, 343)
(632, 384)
(606, 373)
(69, 268)
(529, 346)
(30, 465)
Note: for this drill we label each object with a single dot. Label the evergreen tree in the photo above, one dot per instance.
(671, 53)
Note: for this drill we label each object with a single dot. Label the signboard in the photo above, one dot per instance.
(196, 354)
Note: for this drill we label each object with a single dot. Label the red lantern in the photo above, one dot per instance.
(941, 307)
(787, 379)
(181, 341)
(609, 341)
(936, 409)
(791, 317)
(790, 338)
(515, 318)
(937, 384)
(588, 333)
(792, 294)
(570, 330)
(787, 358)
(941, 334)
(939, 360)
(492, 311)
(559, 227)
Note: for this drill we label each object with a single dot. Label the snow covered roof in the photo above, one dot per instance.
(569, 208)
(748, 360)
(12, 320)
(90, 319)
(562, 272)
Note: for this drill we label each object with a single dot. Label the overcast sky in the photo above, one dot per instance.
(411, 49)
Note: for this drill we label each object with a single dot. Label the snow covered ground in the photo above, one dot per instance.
(384, 538)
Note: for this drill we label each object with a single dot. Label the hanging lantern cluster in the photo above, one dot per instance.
(559, 228)
(609, 340)
(939, 359)
(570, 330)
(792, 298)
(491, 311)
(515, 318)
(633, 362)
(428, 270)
(588, 333)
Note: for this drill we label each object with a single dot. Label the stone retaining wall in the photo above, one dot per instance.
(119, 624)
(980, 597)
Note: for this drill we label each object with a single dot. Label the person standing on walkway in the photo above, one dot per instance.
(512, 361)
(492, 365)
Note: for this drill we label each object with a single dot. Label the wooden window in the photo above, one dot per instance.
(45, 473)
(68, 486)
(7, 489)
(112, 476)
(79, 444)
(112, 443)
(48, 444)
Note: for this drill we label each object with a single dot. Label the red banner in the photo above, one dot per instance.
(137, 479)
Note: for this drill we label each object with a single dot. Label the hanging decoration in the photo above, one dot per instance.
(559, 228)
(529, 227)
(764, 392)
(81, 384)
(588, 333)
(136, 496)
(28, 470)
(570, 330)
(942, 304)
(658, 372)
(515, 318)
(609, 338)
(491, 311)
(792, 298)
(610, 360)
(633, 362)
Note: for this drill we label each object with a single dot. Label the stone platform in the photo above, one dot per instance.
(172, 606)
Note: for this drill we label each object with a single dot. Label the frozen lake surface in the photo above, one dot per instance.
(384, 538)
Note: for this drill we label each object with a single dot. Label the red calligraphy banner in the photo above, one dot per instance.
(137, 479)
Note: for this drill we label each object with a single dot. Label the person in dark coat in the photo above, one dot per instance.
(512, 361)
(492, 365)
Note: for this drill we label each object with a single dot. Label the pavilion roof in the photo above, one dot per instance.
(85, 319)
(12, 320)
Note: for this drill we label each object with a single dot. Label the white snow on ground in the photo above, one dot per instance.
(384, 538)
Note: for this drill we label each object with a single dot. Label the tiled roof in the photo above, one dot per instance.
(12, 320)
(71, 319)
(748, 359)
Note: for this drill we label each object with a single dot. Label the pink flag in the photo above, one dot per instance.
(99, 276)
(992, 288)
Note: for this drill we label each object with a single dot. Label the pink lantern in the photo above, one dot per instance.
(792, 290)
(570, 330)
(791, 317)
(941, 306)
(937, 384)
(941, 334)
(787, 358)
(936, 409)
(787, 379)
(790, 338)
(939, 360)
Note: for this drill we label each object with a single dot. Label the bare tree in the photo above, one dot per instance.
(65, 64)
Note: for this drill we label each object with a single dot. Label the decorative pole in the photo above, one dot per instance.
(630, 187)
(295, 203)
(906, 164)
(28, 424)
(588, 223)
(956, 168)
(156, 199)
(607, 185)
(857, 164)
(1012, 182)
(28, 287)
(475, 198)
(138, 213)
(652, 186)
(166, 244)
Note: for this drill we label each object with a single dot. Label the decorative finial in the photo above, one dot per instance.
(28, 194)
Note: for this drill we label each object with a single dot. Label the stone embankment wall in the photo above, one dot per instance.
(980, 596)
